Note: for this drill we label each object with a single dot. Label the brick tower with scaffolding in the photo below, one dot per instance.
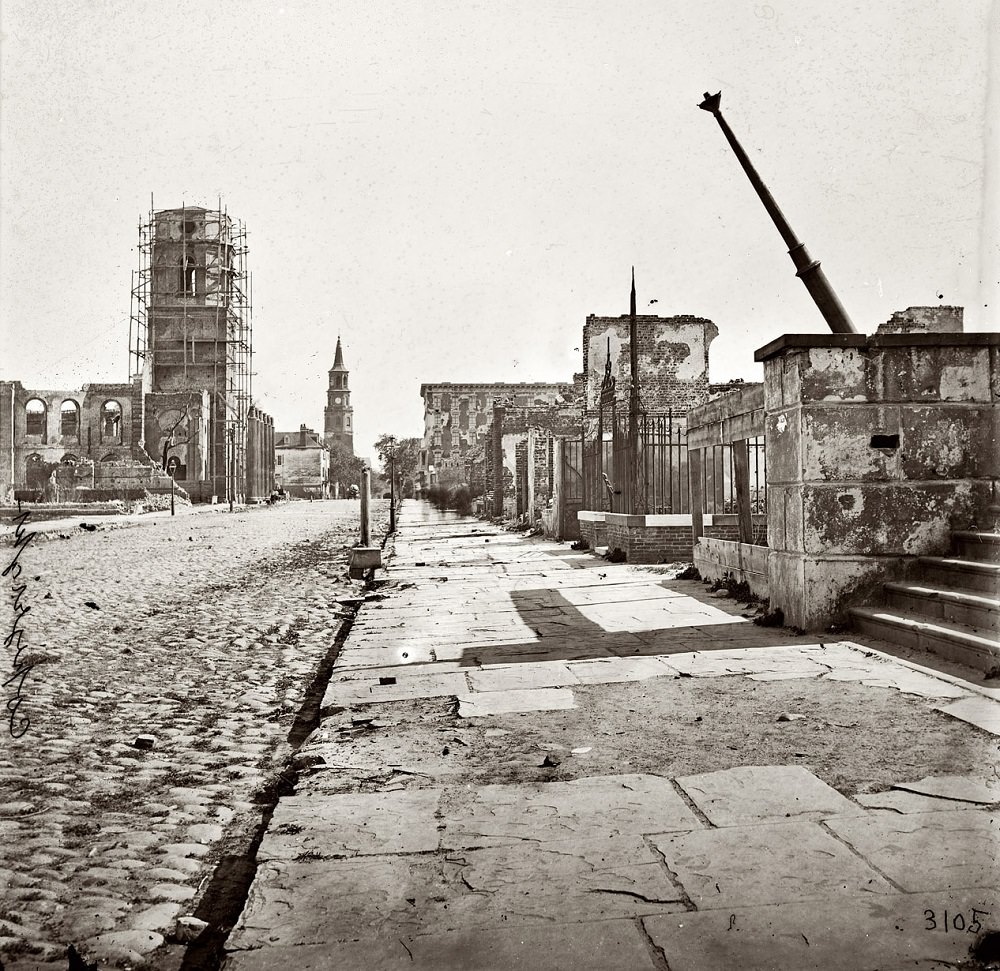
(191, 341)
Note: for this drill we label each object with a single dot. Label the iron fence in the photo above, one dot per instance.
(608, 479)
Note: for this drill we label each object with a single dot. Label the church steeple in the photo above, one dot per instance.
(338, 416)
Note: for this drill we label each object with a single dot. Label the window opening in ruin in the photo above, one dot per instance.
(187, 276)
(34, 412)
(189, 227)
(69, 424)
(111, 422)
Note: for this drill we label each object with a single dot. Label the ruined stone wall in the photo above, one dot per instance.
(672, 359)
(877, 447)
(93, 435)
(924, 320)
(457, 418)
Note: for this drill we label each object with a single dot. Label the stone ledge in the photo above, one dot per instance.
(792, 341)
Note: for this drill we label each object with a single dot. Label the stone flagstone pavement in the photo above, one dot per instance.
(380, 860)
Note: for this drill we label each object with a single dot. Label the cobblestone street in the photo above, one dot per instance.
(204, 632)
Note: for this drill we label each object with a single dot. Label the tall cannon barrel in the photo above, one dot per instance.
(806, 268)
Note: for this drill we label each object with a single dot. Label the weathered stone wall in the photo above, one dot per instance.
(672, 359)
(714, 558)
(924, 320)
(177, 429)
(877, 447)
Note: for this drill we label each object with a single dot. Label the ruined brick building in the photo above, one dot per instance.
(672, 358)
(500, 437)
(187, 405)
(457, 420)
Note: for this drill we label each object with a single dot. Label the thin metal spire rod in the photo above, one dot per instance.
(806, 268)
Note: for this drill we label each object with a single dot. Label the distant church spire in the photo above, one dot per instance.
(338, 415)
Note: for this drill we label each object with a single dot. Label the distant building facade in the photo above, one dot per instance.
(302, 464)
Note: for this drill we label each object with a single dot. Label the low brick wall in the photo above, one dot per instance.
(652, 539)
(592, 527)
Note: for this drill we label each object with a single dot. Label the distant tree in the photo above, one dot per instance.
(407, 455)
(345, 467)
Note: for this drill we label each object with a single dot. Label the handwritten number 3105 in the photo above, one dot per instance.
(958, 921)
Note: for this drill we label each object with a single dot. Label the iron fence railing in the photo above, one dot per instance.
(608, 478)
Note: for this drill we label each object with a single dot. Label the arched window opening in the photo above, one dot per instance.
(35, 472)
(69, 423)
(111, 422)
(34, 412)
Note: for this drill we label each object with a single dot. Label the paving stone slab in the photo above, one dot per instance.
(542, 674)
(927, 851)
(751, 794)
(482, 704)
(568, 880)
(576, 648)
(901, 678)
(360, 824)
(747, 866)
(607, 945)
(982, 712)
(965, 788)
(614, 670)
(552, 811)
(906, 802)
(756, 661)
(346, 694)
(315, 901)
(639, 615)
(859, 933)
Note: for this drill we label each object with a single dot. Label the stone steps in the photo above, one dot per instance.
(980, 546)
(953, 609)
(953, 606)
(956, 642)
(967, 574)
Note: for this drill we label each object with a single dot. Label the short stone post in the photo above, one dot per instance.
(365, 558)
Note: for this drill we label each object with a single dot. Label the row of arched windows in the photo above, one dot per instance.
(69, 419)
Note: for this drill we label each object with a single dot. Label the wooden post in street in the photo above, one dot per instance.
(365, 512)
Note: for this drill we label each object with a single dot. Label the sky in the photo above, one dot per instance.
(452, 187)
